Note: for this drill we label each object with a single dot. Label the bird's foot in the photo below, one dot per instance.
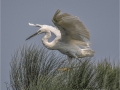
(64, 69)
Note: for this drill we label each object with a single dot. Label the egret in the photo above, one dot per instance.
(72, 37)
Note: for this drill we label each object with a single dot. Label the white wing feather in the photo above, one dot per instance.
(71, 28)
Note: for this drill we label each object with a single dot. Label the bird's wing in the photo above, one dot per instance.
(71, 28)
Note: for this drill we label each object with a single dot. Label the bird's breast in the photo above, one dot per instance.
(68, 49)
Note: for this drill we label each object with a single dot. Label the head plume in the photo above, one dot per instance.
(36, 25)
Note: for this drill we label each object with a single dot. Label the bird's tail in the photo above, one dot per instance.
(88, 52)
(88, 44)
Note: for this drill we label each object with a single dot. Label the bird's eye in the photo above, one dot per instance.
(39, 31)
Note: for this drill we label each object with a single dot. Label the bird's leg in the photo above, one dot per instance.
(67, 68)
(70, 60)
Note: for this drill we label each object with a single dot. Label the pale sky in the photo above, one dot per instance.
(101, 17)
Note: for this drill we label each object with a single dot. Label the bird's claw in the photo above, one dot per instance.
(64, 69)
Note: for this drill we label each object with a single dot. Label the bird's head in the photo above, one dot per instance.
(40, 31)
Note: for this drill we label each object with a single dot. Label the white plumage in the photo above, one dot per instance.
(72, 36)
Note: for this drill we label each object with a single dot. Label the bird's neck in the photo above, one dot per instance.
(45, 41)
(51, 45)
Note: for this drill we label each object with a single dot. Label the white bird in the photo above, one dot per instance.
(71, 36)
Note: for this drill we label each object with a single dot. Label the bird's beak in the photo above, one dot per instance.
(32, 35)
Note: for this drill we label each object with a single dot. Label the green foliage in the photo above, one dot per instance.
(107, 75)
(34, 68)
